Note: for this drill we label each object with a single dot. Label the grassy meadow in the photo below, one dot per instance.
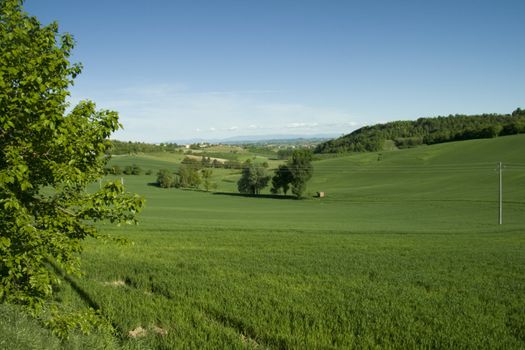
(403, 252)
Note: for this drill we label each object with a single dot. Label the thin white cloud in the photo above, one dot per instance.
(302, 125)
(167, 112)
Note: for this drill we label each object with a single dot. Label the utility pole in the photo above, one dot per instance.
(500, 166)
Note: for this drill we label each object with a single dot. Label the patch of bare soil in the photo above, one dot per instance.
(249, 342)
(117, 283)
(160, 331)
(138, 332)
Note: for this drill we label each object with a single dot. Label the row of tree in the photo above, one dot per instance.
(427, 131)
(207, 162)
(186, 177)
(133, 169)
(294, 174)
(122, 147)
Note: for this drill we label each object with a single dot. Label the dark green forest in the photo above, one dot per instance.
(427, 131)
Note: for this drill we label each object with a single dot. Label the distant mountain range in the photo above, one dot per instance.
(258, 139)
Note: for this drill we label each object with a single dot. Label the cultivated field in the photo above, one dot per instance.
(404, 252)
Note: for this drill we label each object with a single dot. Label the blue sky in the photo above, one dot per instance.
(215, 69)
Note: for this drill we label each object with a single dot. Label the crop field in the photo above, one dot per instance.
(405, 251)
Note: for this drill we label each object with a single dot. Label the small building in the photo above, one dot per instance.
(320, 194)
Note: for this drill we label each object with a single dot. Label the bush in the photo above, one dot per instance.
(165, 178)
(136, 170)
(117, 170)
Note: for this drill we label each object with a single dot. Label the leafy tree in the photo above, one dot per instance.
(518, 112)
(136, 170)
(301, 169)
(48, 159)
(284, 154)
(116, 170)
(282, 179)
(188, 176)
(192, 162)
(165, 178)
(205, 162)
(253, 179)
(232, 164)
(216, 164)
(206, 179)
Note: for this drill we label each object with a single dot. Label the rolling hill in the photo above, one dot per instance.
(405, 134)
(404, 252)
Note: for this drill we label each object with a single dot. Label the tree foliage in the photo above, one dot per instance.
(281, 179)
(48, 159)
(427, 131)
(284, 154)
(166, 178)
(300, 166)
(122, 147)
(188, 175)
(253, 179)
(206, 175)
(297, 171)
(133, 169)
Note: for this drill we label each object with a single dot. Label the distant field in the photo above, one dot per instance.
(404, 252)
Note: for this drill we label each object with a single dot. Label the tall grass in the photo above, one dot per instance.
(404, 252)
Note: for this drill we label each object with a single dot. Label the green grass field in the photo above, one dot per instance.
(404, 252)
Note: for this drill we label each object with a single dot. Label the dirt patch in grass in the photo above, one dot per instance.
(137, 332)
(116, 283)
(159, 331)
(249, 342)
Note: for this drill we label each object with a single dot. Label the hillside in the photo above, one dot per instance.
(427, 131)
(460, 173)
(404, 252)
(400, 246)
(457, 171)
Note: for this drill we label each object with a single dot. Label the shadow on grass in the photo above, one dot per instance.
(233, 194)
(83, 295)
(81, 292)
(76, 287)
(270, 196)
(156, 184)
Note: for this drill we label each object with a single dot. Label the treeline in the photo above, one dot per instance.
(121, 147)
(191, 174)
(185, 177)
(194, 173)
(427, 131)
(133, 169)
(207, 162)
(294, 174)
